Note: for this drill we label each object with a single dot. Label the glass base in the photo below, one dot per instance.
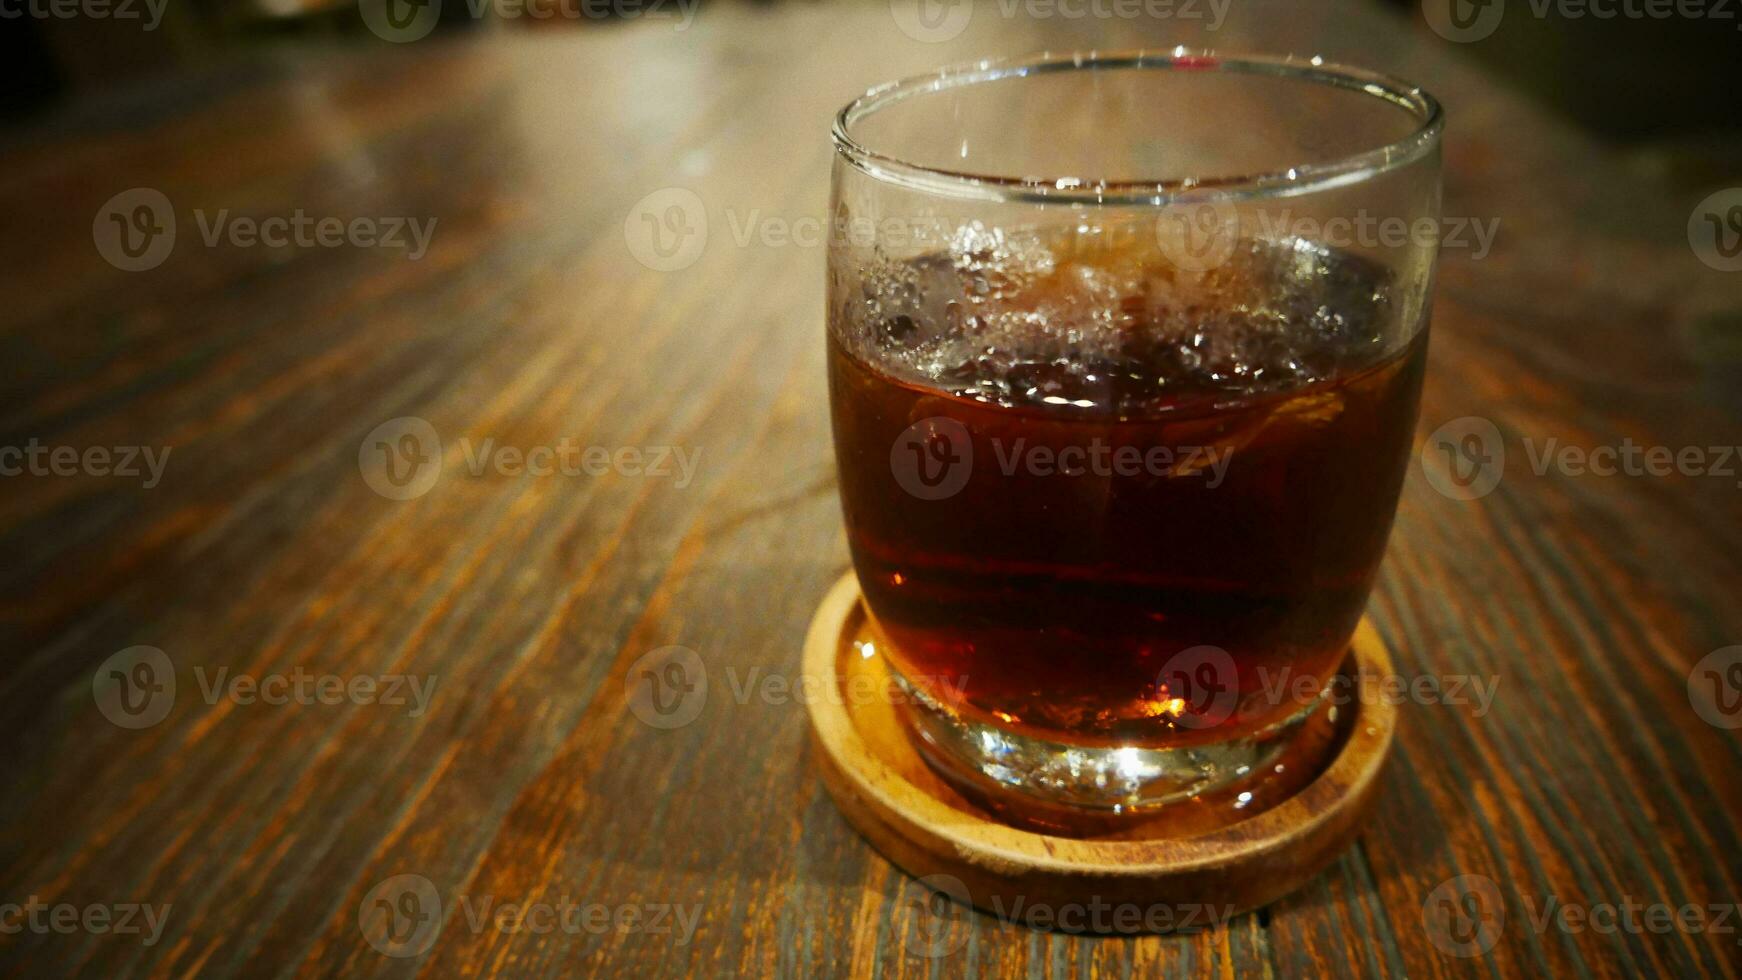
(1105, 781)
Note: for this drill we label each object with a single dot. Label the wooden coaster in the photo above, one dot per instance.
(1203, 854)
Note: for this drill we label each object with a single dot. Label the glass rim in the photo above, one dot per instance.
(1289, 181)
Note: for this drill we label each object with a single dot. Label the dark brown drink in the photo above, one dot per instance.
(1174, 462)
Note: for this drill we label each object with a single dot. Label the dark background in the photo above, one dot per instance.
(1663, 91)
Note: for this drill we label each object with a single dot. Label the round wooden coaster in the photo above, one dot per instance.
(1207, 858)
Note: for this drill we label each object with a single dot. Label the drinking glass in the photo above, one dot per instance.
(1124, 357)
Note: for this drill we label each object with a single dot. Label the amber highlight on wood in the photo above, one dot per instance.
(885, 790)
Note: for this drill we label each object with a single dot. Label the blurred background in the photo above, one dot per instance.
(1659, 86)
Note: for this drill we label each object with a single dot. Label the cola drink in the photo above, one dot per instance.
(1100, 499)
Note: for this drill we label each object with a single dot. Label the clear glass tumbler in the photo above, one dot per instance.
(1124, 357)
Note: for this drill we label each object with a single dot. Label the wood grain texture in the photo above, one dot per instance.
(530, 777)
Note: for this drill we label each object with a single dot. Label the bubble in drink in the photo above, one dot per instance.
(1163, 460)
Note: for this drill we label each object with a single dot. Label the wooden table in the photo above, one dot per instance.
(526, 774)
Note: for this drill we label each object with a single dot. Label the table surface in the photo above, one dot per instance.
(526, 774)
